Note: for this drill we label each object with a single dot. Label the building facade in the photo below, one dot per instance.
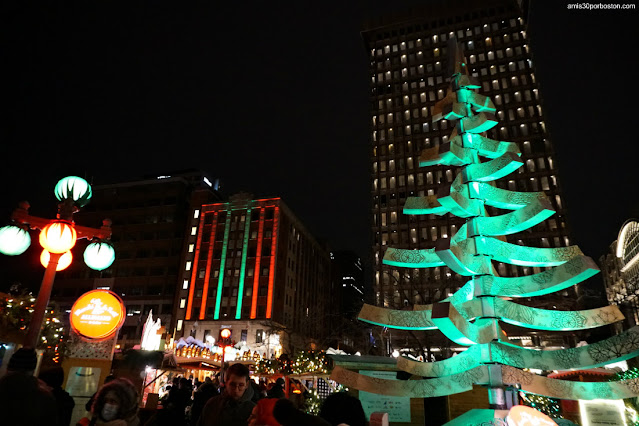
(150, 220)
(252, 266)
(620, 269)
(408, 75)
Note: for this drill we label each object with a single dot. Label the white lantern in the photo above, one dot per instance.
(73, 187)
(99, 256)
(14, 240)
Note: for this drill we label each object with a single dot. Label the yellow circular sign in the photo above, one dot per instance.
(97, 314)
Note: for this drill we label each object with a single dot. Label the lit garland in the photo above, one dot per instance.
(266, 366)
(305, 362)
(313, 402)
(15, 316)
(632, 373)
(310, 362)
(548, 406)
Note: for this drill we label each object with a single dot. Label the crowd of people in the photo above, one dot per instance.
(228, 400)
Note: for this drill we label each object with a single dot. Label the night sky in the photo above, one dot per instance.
(272, 98)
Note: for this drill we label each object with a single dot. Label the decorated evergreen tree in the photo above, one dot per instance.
(15, 315)
(472, 315)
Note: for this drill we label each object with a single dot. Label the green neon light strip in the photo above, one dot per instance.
(503, 198)
(486, 147)
(458, 200)
(523, 255)
(428, 388)
(543, 319)
(403, 320)
(480, 103)
(552, 280)
(424, 205)
(240, 291)
(614, 349)
(493, 169)
(458, 258)
(479, 123)
(564, 389)
(459, 152)
(424, 258)
(220, 281)
(512, 222)
(463, 361)
(448, 154)
(536, 318)
(494, 197)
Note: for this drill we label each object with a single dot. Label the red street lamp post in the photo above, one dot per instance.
(225, 337)
(57, 237)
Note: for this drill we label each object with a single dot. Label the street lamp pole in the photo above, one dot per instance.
(31, 339)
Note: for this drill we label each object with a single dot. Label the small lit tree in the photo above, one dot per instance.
(15, 316)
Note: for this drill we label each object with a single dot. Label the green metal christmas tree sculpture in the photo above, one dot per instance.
(472, 316)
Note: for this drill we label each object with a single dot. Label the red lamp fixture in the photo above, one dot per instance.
(63, 263)
(59, 236)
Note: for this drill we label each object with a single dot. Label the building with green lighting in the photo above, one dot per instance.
(151, 218)
(408, 75)
(253, 267)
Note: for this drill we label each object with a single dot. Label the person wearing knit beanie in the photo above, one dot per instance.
(23, 360)
(25, 400)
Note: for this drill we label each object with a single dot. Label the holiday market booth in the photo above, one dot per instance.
(306, 378)
(202, 360)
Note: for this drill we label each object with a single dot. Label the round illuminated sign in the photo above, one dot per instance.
(97, 314)
(521, 415)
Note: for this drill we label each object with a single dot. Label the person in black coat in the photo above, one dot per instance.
(54, 378)
(205, 391)
(24, 399)
(277, 391)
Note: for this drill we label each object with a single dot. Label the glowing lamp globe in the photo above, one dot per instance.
(14, 240)
(225, 333)
(99, 256)
(75, 188)
(63, 262)
(58, 237)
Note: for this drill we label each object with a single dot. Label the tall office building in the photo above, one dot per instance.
(408, 75)
(150, 218)
(253, 267)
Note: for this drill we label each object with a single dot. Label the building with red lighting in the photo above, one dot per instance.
(251, 266)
